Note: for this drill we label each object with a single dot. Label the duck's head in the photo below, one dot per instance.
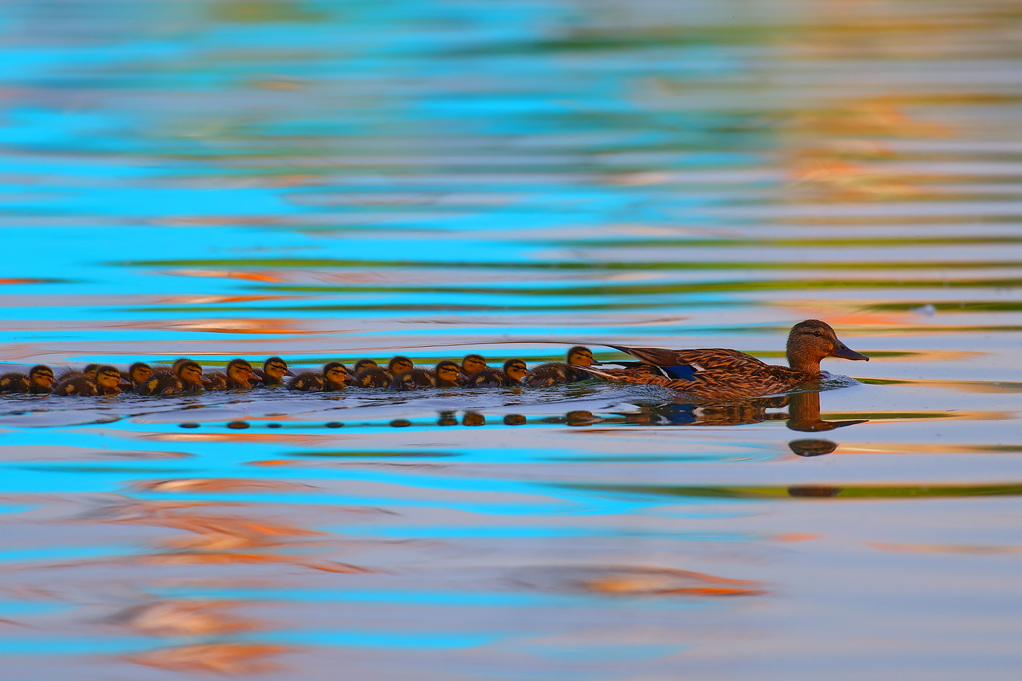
(90, 370)
(139, 373)
(41, 375)
(239, 371)
(336, 375)
(178, 362)
(448, 373)
(276, 368)
(364, 364)
(580, 356)
(108, 378)
(472, 364)
(812, 340)
(400, 364)
(189, 372)
(516, 370)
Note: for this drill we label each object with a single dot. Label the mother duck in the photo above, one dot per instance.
(721, 374)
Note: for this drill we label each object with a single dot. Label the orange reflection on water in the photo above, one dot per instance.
(246, 275)
(216, 658)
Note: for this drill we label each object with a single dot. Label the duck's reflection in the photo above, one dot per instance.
(800, 411)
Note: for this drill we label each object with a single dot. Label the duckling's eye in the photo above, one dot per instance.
(817, 334)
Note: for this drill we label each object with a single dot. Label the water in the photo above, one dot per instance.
(335, 180)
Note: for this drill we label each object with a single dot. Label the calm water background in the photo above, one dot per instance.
(326, 180)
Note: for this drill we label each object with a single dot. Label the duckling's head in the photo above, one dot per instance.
(178, 362)
(364, 364)
(471, 364)
(90, 370)
(276, 369)
(516, 370)
(41, 375)
(400, 365)
(139, 373)
(336, 374)
(239, 371)
(812, 340)
(108, 378)
(580, 356)
(189, 372)
(448, 373)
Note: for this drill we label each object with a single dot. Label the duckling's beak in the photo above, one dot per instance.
(289, 373)
(843, 351)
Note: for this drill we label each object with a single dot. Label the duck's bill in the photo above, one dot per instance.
(845, 352)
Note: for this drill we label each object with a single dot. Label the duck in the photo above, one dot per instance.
(185, 380)
(333, 377)
(38, 381)
(553, 373)
(373, 377)
(514, 371)
(237, 375)
(449, 374)
(139, 373)
(273, 372)
(107, 380)
(414, 379)
(363, 364)
(399, 364)
(473, 364)
(723, 374)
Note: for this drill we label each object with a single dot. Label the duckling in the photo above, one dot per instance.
(553, 373)
(106, 381)
(334, 376)
(236, 376)
(373, 377)
(414, 379)
(187, 380)
(273, 372)
(513, 373)
(89, 372)
(449, 375)
(139, 373)
(473, 364)
(363, 364)
(38, 381)
(399, 364)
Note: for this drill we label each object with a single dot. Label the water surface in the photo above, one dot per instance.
(337, 180)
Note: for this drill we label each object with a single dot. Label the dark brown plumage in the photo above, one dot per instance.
(237, 375)
(106, 381)
(333, 377)
(39, 380)
(512, 374)
(553, 373)
(186, 380)
(414, 380)
(373, 377)
(722, 374)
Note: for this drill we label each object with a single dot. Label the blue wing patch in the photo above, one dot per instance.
(683, 371)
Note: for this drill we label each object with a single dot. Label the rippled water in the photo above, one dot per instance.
(336, 180)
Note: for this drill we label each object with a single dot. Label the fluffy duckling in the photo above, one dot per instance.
(513, 373)
(273, 372)
(373, 377)
(236, 376)
(363, 364)
(553, 373)
(139, 373)
(333, 377)
(106, 381)
(38, 381)
(414, 379)
(449, 374)
(399, 364)
(473, 364)
(186, 380)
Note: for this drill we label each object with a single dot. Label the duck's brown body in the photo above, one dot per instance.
(723, 374)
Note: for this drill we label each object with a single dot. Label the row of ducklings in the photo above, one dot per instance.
(186, 376)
